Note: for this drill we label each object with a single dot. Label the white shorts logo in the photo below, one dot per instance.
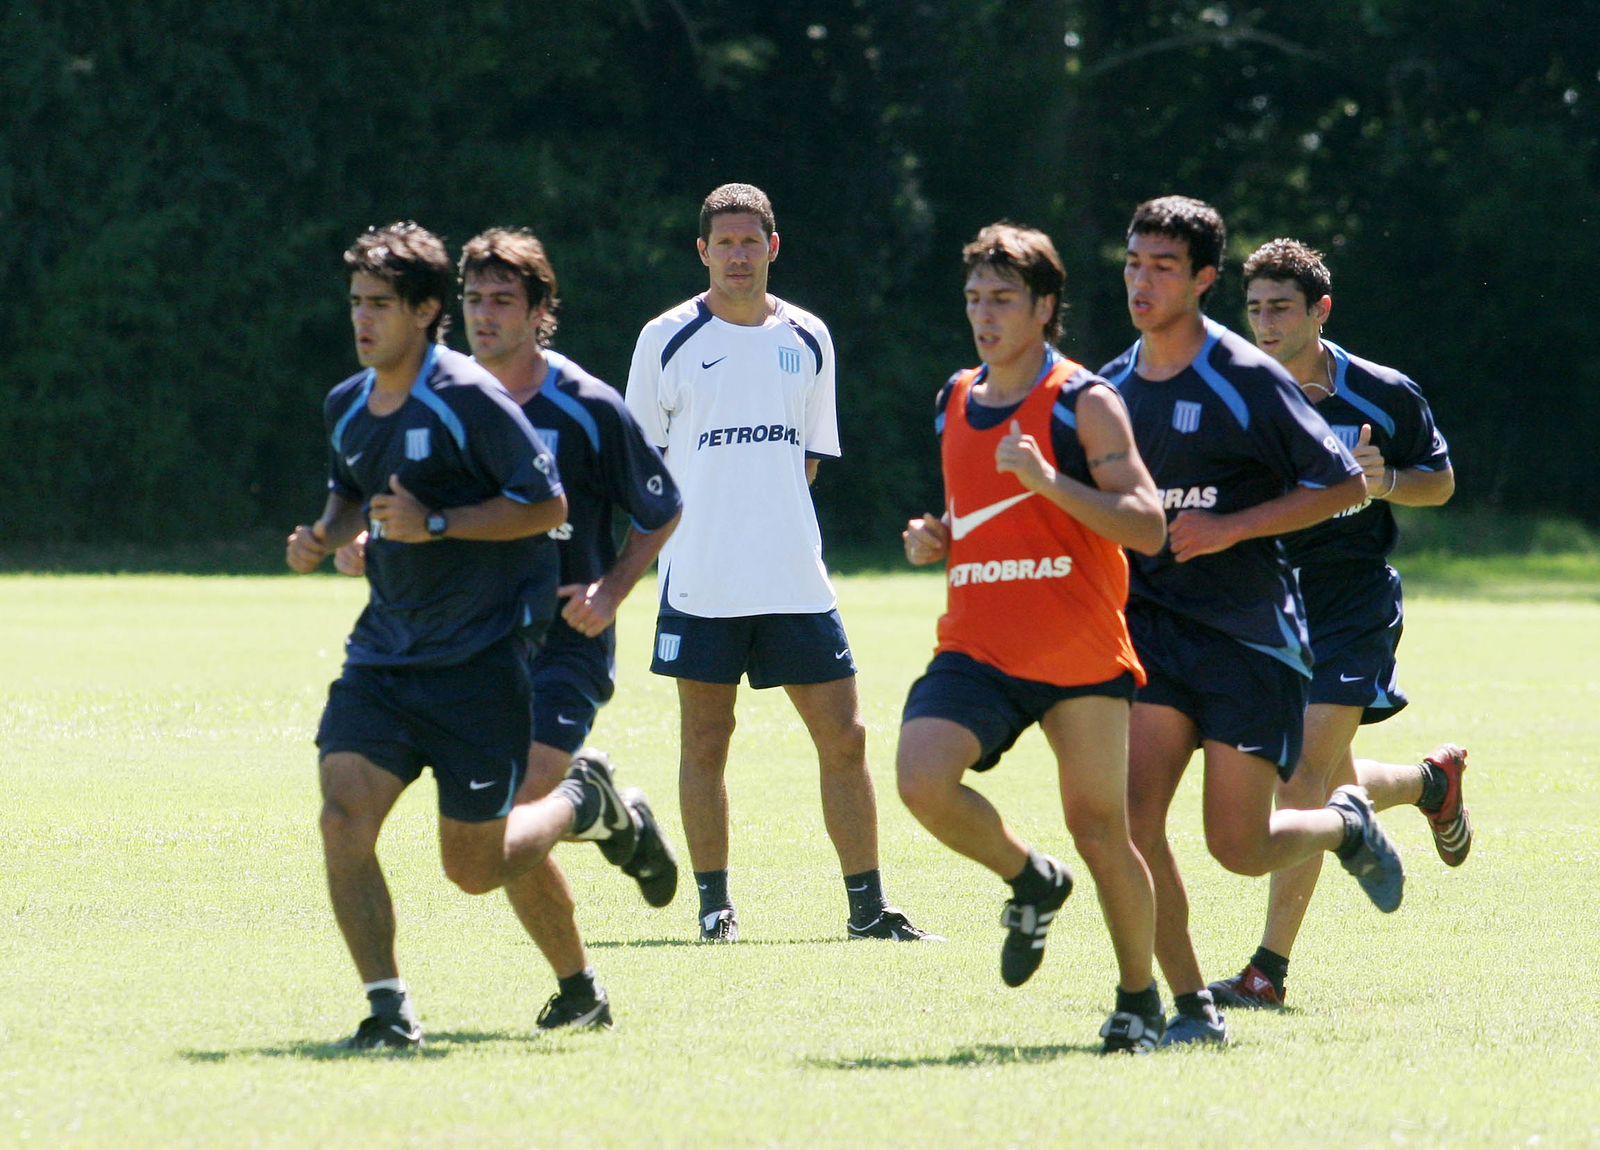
(653, 485)
(417, 446)
(789, 360)
(1186, 417)
(667, 646)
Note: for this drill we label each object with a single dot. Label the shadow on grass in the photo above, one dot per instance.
(984, 1055)
(438, 1044)
(619, 944)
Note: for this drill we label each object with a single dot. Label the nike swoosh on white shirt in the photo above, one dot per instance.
(963, 525)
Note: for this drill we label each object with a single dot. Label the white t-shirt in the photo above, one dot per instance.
(737, 411)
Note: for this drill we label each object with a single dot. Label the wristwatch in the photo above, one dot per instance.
(437, 524)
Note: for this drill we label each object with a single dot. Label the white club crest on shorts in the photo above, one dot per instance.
(1186, 416)
(653, 485)
(417, 443)
(667, 646)
(789, 360)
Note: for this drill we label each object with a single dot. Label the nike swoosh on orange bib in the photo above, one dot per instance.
(963, 525)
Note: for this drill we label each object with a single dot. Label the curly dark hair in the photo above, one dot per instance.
(1195, 222)
(516, 253)
(410, 259)
(737, 198)
(1025, 253)
(1285, 259)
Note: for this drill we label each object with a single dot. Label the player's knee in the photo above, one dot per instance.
(1097, 832)
(844, 748)
(1238, 851)
(472, 876)
(345, 828)
(922, 791)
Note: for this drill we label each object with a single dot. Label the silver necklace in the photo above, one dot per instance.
(1327, 369)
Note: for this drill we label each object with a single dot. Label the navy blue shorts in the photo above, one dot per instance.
(1356, 614)
(1232, 693)
(774, 650)
(468, 722)
(573, 677)
(994, 706)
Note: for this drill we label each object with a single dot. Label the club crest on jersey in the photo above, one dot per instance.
(1186, 416)
(667, 646)
(789, 360)
(653, 485)
(418, 444)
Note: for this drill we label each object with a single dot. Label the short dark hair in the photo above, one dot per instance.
(1285, 259)
(516, 253)
(1194, 221)
(410, 259)
(1025, 253)
(737, 198)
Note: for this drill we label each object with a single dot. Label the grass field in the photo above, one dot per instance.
(170, 974)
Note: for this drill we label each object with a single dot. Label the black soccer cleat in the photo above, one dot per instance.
(1026, 925)
(386, 1032)
(653, 865)
(1128, 1033)
(572, 1012)
(614, 828)
(719, 926)
(893, 926)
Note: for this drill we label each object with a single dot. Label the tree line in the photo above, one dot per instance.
(178, 179)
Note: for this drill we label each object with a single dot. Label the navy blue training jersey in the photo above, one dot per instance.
(605, 463)
(457, 440)
(1067, 453)
(1402, 429)
(1230, 431)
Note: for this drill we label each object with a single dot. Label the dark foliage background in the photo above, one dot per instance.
(177, 180)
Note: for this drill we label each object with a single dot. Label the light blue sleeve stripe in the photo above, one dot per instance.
(430, 399)
(1365, 406)
(362, 393)
(1116, 381)
(573, 410)
(1062, 415)
(1224, 390)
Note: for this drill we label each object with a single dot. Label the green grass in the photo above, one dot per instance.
(170, 974)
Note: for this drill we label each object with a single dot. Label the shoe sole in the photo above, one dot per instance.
(653, 864)
(597, 1019)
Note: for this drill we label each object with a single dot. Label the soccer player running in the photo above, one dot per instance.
(1034, 630)
(1354, 610)
(1239, 458)
(738, 387)
(509, 301)
(457, 492)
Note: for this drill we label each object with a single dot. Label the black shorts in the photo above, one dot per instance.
(1232, 693)
(468, 722)
(994, 706)
(571, 680)
(1356, 615)
(774, 650)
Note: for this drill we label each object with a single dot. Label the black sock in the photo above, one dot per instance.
(1197, 1005)
(1036, 880)
(585, 803)
(390, 1003)
(713, 886)
(1435, 786)
(865, 891)
(581, 986)
(1352, 834)
(1145, 1003)
(1272, 964)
